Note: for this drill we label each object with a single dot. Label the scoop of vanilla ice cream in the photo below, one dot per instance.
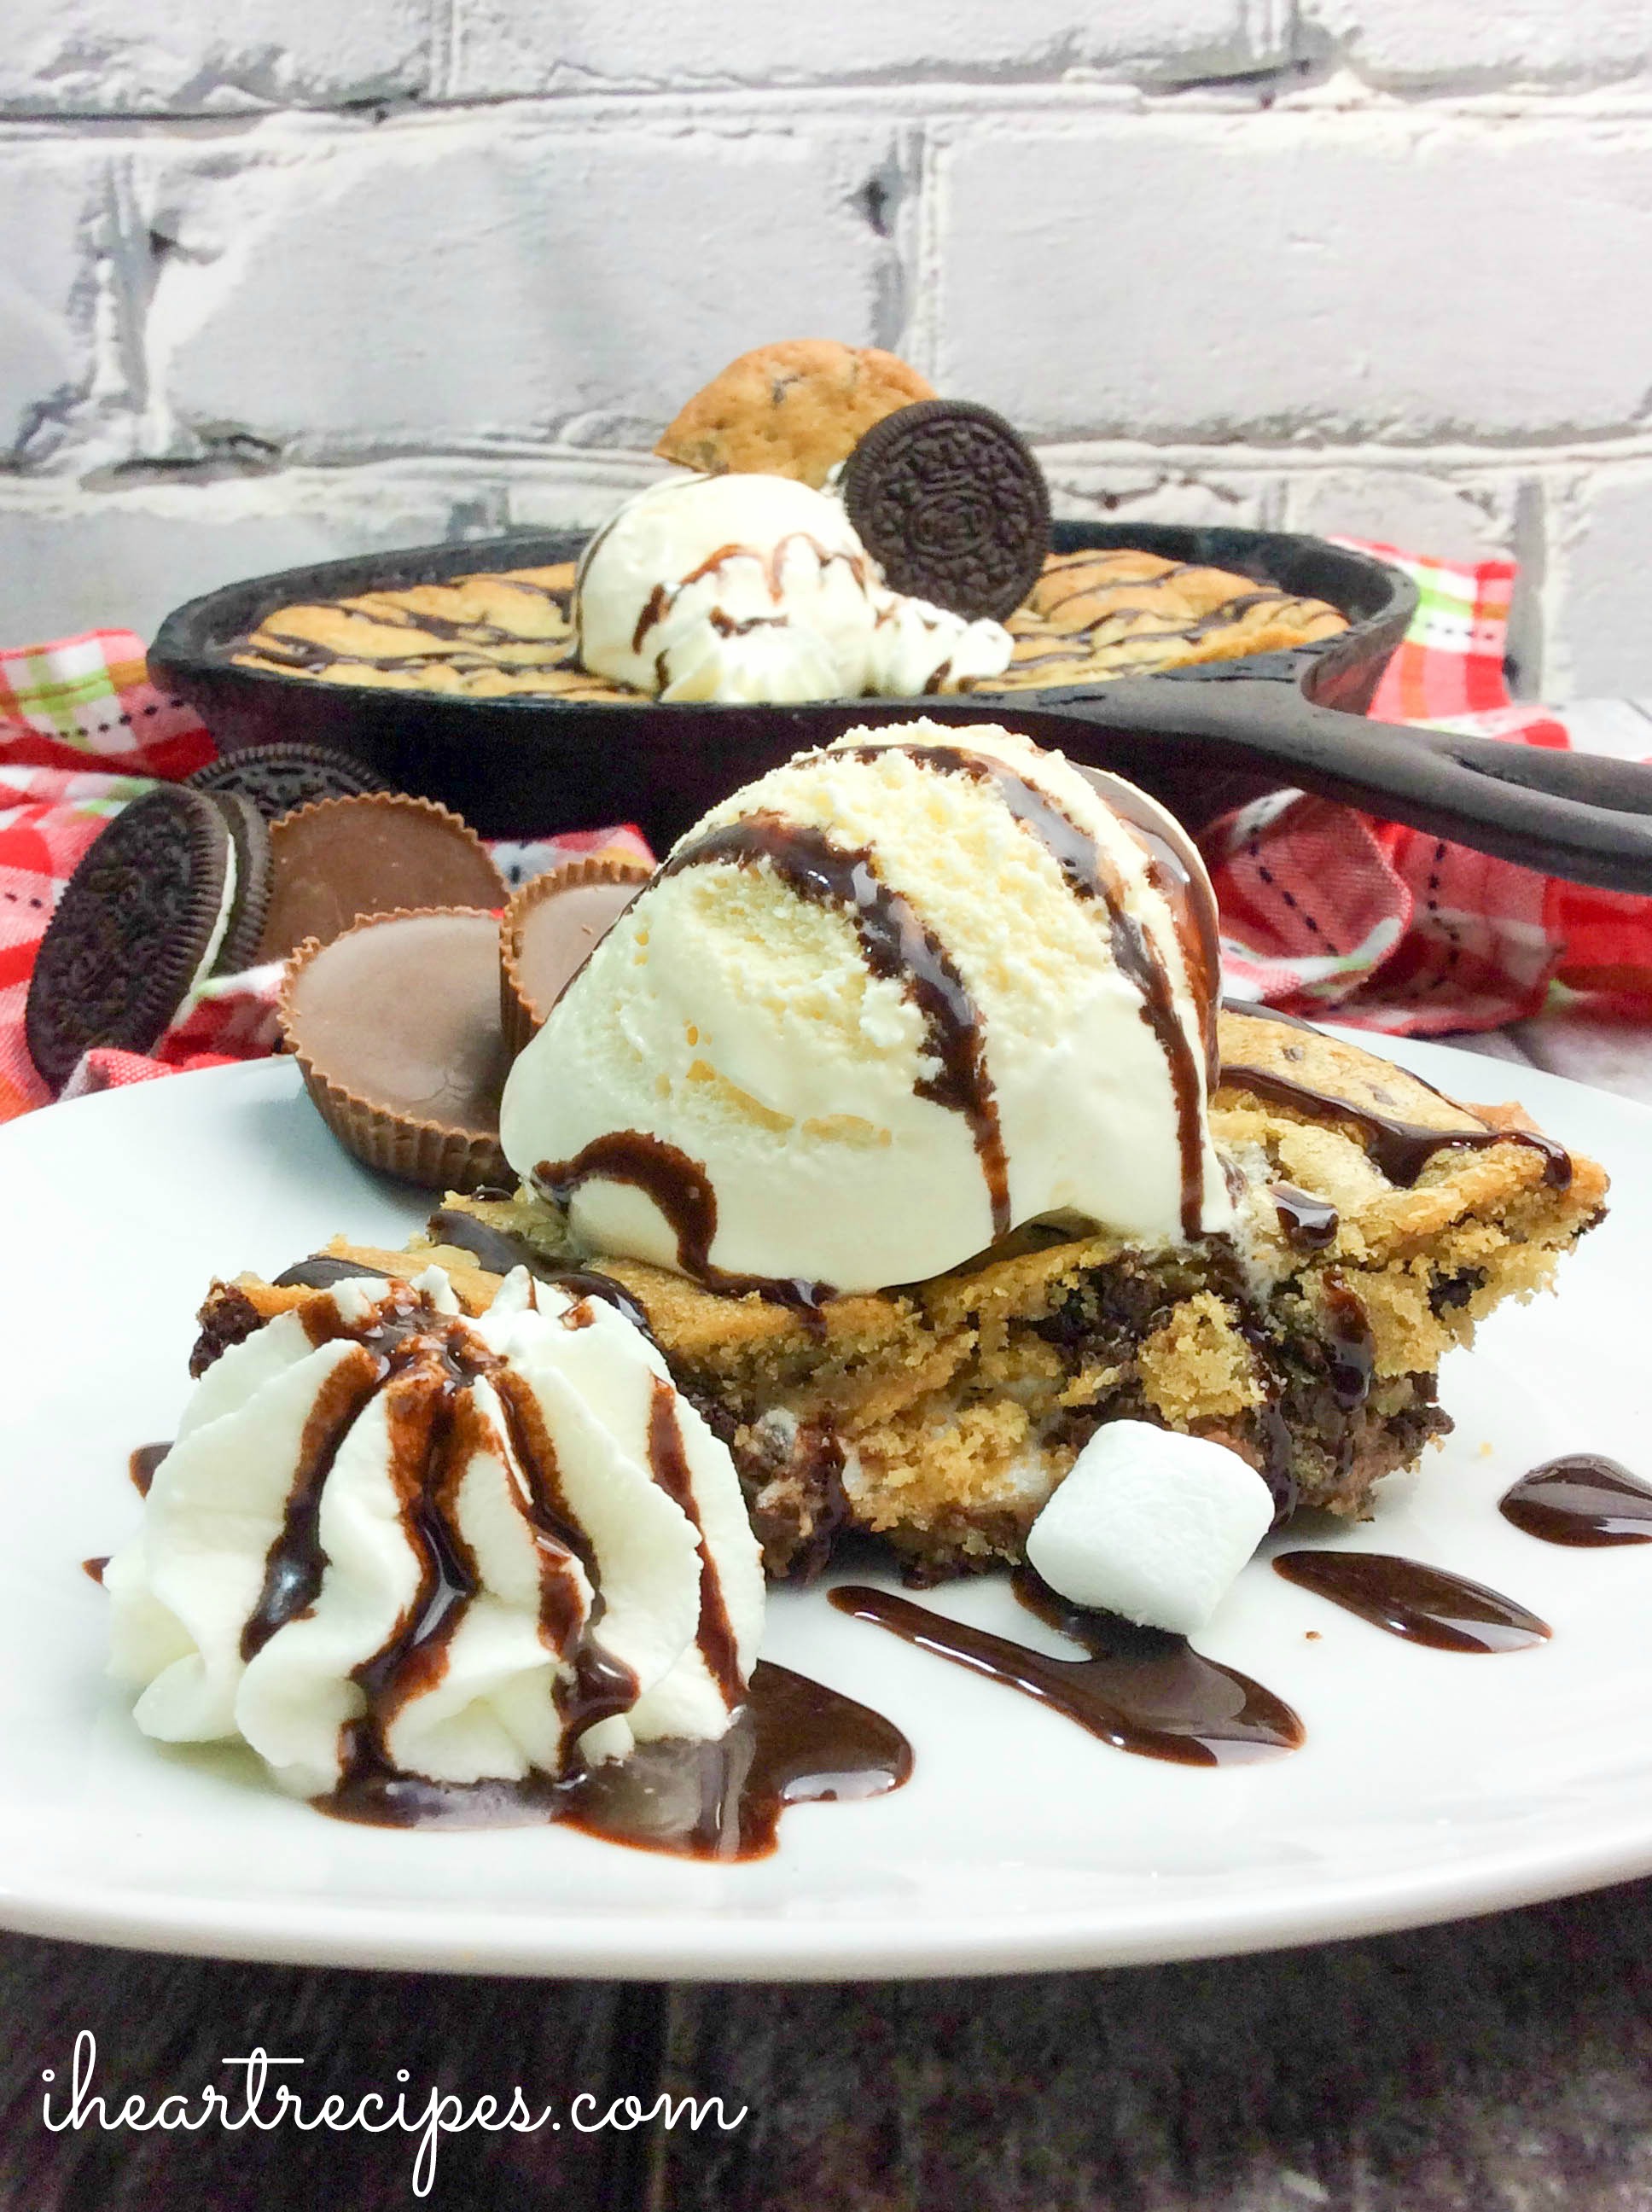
(879, 1007)
(353, 1528)
(756, 588)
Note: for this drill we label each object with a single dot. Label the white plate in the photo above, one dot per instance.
(1432, 1784)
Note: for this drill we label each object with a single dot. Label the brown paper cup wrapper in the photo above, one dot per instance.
(519, 1017)
(433, 1154)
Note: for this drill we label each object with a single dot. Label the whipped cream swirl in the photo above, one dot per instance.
(392, 1539)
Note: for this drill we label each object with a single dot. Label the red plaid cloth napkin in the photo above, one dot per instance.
(1323, 908)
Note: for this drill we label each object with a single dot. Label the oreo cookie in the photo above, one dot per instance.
(250, 834)
(148, 911)
(949, 499)
(280, 778)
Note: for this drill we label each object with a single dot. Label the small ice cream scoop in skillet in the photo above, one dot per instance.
(1201, 739)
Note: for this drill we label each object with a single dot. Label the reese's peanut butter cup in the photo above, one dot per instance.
(395, 1026)
(280, 778)
(949, 499)
(147, 916)
(547, 933)
(342, 858)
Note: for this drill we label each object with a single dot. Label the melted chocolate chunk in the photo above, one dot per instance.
(1308, 1222)
(1581, 1500)
(1141, 1689)
(94, 1567)
(1423, 1605)
(1350, 1344)
(227, 1317)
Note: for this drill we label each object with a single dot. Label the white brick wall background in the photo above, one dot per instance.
(286, 278)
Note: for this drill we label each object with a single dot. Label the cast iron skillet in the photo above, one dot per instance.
(1201, 739)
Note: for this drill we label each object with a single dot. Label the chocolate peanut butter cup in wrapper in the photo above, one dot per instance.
(395, 1026)
(548, 930)
(338, 860)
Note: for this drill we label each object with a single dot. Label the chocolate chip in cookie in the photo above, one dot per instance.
(949, 498)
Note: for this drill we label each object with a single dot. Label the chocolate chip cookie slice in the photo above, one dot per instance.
(791, 409)
(143, 919)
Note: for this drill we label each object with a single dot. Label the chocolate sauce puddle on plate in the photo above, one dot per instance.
(794, 1742)
(1141, 1689)
(1423, 1605)
(1583, 1500)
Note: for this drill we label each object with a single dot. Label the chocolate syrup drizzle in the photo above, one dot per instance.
(424, 1362)
(498, 1252)
(142, 1464)
(321, 1271)
(682, 1191)
(898, 946)
(1582, 1500)
(1116, 621)
(1141, 1689)
(1089, 873)
(669, 1462)
(1401, 1150)
(1421, 1604)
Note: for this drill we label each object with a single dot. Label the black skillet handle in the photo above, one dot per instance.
(1566, 814)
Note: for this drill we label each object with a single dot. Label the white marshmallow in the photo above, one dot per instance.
(1151, 1525)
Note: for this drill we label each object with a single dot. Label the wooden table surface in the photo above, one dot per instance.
(1496, 2065)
